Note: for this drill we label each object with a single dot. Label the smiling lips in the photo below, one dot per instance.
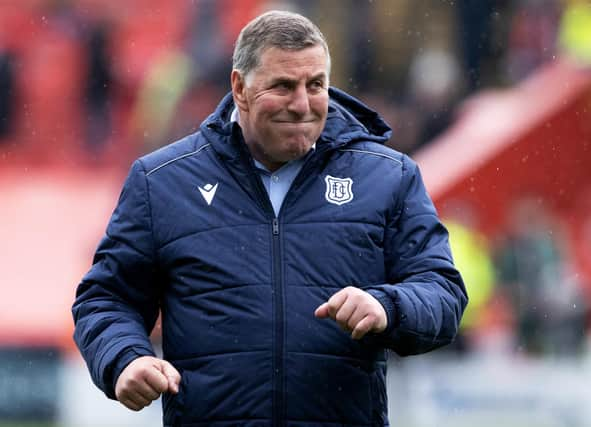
(294, 122)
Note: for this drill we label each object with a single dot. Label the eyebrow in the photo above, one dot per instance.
(319, 76)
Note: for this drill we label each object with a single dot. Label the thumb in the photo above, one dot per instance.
(173, 376)
(322, 311)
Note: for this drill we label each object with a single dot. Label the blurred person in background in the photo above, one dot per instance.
(98, 86)
(575, 31)
(532, 37)
(475, 25)
(7, 93)
(473, 259)
(482, 32)
(435, 88)
(160, 93)
(532, 263)
(284, 209)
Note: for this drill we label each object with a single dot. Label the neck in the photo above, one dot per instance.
(257, 153)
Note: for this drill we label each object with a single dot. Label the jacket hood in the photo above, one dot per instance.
(348, 120)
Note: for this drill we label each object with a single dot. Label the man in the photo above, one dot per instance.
(283, 210)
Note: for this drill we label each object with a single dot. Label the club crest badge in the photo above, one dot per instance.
(338, 190)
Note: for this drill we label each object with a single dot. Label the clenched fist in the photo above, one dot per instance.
(144, 380)
(355, 311)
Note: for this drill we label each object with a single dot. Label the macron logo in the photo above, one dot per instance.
(208, 191)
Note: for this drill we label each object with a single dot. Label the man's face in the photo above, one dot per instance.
(283, 103)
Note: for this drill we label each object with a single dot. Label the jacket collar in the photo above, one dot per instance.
(348, 120)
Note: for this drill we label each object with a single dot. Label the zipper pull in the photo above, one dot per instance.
(275, 226)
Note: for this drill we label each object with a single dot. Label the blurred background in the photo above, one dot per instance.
(491, 97)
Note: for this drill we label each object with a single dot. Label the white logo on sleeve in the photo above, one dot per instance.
(338, 190)
(208, 191)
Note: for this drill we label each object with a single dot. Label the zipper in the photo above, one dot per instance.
(278, 368)
(278, 360)
(278, 399)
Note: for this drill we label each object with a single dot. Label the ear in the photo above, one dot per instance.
(239, 90)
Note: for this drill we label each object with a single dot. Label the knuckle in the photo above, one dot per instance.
(369, 309)
(351, 292)
(130, 383)
(131, 405)
(123, 388)
(332, 311)
(143, 402)
(142, 371)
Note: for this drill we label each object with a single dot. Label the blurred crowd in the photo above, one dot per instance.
(92, 81)
(526, 295)
(97, 82)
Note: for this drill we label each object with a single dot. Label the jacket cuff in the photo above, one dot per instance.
(389, 308)
(124, 359)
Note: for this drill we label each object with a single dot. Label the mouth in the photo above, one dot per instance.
(294, 122)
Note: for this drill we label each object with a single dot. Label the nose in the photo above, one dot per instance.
(299, 102)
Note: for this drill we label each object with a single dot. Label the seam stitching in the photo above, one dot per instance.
(176, 158)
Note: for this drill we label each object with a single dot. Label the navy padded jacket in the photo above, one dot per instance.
(237, 287)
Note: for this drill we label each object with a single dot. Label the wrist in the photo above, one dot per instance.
(389, 309)
(124, 359)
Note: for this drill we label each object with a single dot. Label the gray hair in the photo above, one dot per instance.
(280, 29)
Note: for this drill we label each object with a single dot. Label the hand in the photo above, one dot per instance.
(355, 311)
(144, 380)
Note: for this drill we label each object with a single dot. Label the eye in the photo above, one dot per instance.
(282, 85)
(316, 85)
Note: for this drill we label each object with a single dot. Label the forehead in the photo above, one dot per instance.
(294, 63)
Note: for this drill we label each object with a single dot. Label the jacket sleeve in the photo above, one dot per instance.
(117, 302)
(425, 296)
